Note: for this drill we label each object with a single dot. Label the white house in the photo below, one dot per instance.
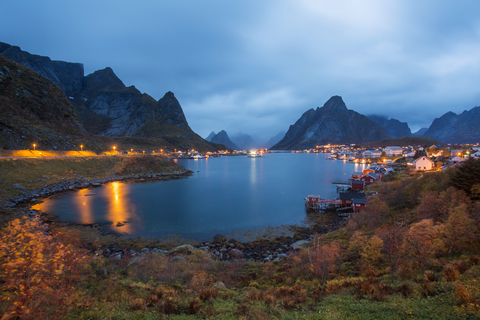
(424, 163)
(371, 154)
(409, 154)
(393, 151)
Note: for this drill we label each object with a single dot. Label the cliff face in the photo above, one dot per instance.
(333, 123)
(68, 76)
(453, 128)
(393, 127)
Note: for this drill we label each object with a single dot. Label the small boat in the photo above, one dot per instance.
(254, 154)
(89, 194)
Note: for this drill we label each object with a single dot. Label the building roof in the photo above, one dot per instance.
(425, 158)
(360, 201)
(351, 195)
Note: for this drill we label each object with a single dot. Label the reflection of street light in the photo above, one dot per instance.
(34, 145)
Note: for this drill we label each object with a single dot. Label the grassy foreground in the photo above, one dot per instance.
(413, 253)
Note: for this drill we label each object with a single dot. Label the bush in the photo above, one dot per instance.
(39, 271)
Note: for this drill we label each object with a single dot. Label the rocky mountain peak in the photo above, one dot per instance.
(171, 110)
(335, 103)
(102, 80)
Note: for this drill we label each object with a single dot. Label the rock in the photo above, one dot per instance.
(300, 244)
(183, 249)
(18, 187)
(218, 238)
(236, 254)
(177, 258)
(156, 250)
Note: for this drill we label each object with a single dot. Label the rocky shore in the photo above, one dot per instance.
(81, 183)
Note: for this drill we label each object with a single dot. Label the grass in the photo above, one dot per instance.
(33, 173)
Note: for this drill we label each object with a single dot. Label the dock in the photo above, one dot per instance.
(316, 204)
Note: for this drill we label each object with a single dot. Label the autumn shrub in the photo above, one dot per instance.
(39, 271)
(323, 259)
(450, 273)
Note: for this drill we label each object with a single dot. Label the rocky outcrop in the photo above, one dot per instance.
(393, 127)
(333, 123)
(68, 76)
(222, 138)
(453, 128)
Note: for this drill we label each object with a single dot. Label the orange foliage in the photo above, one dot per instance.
(423, 240)
(323, 259)
(38, 271)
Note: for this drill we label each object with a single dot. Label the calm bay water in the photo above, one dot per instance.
(225, 194)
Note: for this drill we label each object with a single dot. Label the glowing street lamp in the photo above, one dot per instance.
(81, 147)
(114, 148)
(131, 150)
(34, 145)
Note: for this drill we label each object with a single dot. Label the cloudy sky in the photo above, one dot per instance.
(257, 66)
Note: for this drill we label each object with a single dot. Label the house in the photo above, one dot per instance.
(357, 185)
(409, 154)
(393, 151)
(359, 204)
(424, 163)
(368, 170)
(356, 175)
(369, 178)
(347, 197)
(371, 153)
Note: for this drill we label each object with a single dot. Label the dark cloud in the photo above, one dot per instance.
(256, 66)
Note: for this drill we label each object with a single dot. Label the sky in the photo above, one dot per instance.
(256, 66)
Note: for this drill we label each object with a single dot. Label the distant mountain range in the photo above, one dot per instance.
(105, 106)
(222, 138)
(393, 127)
(453, 128)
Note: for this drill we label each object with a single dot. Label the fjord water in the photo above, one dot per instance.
(224, 195)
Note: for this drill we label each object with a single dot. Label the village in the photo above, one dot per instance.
(353, 194)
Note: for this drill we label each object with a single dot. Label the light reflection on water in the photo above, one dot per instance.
(224, 195)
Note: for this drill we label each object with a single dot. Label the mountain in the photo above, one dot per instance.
(420, 132)
(453, 128)
(332, 123)
(34, 110)
(393, 127)
(105, 106)
(210, 136)
(244, 141)
(222, 138)
(275, 139)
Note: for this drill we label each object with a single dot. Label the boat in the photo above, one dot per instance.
(254, 154)
(89, 194)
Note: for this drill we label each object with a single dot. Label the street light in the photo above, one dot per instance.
(34, 145)
(81, 147)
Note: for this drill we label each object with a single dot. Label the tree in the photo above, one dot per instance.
(460, 229)
(392, 237)
(372, 252)
(466, 175)
(422, 241)
(323, 259)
